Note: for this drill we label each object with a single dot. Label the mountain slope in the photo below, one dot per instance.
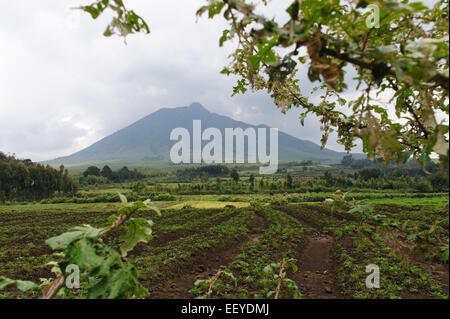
(148, 140)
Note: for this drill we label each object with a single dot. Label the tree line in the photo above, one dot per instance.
(94, 175)
(24, 180)
(203, 171)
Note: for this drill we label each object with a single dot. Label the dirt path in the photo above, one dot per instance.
(315, 277)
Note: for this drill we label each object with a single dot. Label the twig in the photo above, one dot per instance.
(212, 282)
(54, 287)
(59, 281)
(280, 278)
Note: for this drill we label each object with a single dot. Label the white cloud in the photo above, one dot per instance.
(63, 85)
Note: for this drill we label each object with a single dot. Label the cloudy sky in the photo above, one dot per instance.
(64, 86)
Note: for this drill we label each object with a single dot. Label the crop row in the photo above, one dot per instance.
(282, 237)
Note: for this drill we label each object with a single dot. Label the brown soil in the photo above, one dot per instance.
(315, 277)
(203, 267)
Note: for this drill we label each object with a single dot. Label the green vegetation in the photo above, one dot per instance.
(104, 271)
(94, 176)
(22, 180)
(225, 252)
(309, 231)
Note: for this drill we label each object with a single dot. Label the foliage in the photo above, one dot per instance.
(92, 170)
(234, 175)
(108, 273)
(277, 272)
(212, 170)
(289, 180)
(124, 22)
(339, 201)
(204, 287)
(332, 35)
(192, 242)
(444, 250)
(25, 180)
(93, 175)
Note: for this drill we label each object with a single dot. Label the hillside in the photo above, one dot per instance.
(147, 140)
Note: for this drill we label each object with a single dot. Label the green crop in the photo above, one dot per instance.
(107, 272)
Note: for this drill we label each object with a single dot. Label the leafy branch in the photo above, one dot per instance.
(107, 271)
(207, 285)
(277, 271)
(124, 22)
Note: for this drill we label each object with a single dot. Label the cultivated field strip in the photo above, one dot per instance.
(23, 250)
(208, 236)
(409, 271)
(279, 236)
(332, 249)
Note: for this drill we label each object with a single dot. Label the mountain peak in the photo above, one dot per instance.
(148, 140)
(196, 106)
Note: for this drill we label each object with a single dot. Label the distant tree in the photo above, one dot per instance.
(289, 180)
(347, 160)
(91, 171)
(5, 180)
(25, 180)
(439, 182)
(204, 177)
(139, 188)
(329, 179)
(251, 181)
(124, 173)
(234, 175)
(219, 184)
(107, 172)
(423, 186)
(306, 163)
(261, 184)
(368, 173)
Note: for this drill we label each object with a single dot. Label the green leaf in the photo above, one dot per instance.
(202, 283)
(119, 283)
(21, 285)
(293, 10)
(4, 282)
(83, 254)
(76, 233)
(123, 199)
(215, 9)
(94, 12)
(103, 265)
(27, 286)
(223, 38)
(150, 205)
(135, 230)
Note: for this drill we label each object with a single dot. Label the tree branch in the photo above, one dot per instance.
(59, 281)
(411, 110)
(439, 79)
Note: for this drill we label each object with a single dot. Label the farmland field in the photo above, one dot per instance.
(195, 237)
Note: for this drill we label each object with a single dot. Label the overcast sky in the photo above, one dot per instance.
(63, 86)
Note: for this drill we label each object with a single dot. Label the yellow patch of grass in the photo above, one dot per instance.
(208, 204)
